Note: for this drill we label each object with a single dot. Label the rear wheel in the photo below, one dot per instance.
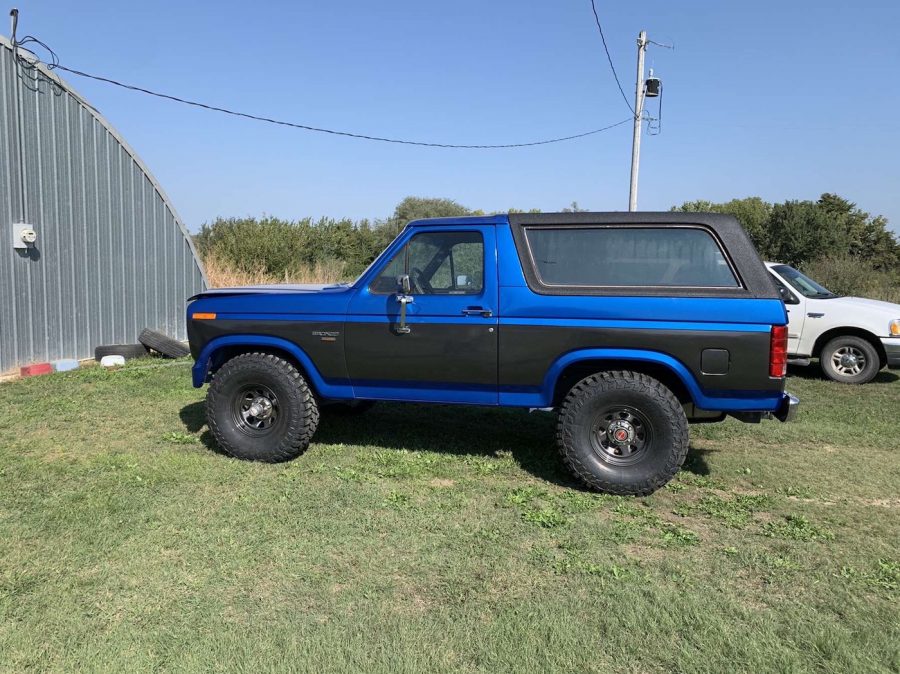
(849, 360)
(622, 433)
(260, 408)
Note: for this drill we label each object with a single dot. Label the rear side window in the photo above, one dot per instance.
(678, 257)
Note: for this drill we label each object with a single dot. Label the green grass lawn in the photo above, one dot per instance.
(417, 538)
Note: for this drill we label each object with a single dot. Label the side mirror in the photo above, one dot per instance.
(403, 285)
(787, 296)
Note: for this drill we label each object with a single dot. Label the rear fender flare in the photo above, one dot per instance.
(548, 386)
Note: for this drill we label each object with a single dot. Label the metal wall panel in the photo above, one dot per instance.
(112, 256)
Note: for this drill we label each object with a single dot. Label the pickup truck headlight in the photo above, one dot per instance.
(894, 328)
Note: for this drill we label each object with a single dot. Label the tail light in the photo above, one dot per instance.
(778, 351)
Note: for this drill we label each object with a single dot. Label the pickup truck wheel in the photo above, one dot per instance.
(260, 408)
(849, 360)
(622, 433)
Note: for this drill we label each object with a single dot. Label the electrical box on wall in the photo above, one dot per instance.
(24, 236)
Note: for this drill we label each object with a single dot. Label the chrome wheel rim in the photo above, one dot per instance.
(256, 409)
(848, 361)
(620, 435)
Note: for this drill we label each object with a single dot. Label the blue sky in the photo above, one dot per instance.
(781, 99)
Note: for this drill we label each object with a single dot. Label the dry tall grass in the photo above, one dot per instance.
(221, 274)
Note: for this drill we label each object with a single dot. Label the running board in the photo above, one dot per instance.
(798, 361)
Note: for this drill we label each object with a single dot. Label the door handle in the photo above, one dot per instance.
(477, 311)
(403, 328)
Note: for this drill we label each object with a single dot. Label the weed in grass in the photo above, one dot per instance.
(397, 499)
(178, 438)
(885, 576)
(795, 491)
(675, 535)
(524, 495)
(735, 512)
(622, 531)
(578, 501)
(348, 474)
(486, 466)
(685, 477)
(547, 517)
(571, 560)
(796, 528)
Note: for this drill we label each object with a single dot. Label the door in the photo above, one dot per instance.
(796, 311)
(445, 348)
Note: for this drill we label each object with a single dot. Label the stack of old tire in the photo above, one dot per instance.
(150, 342)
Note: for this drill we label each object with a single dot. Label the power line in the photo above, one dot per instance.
(609, 58)
(54, 64)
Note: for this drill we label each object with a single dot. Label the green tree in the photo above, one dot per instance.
(752, 212)
(415, 208)
(800, 231)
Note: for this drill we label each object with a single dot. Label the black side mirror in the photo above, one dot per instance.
(787, 296)
(403, 285)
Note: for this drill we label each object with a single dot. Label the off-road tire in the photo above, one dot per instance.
(127, 351)
(855, 344)
(162, 344)
(297, 411)
(661, 416)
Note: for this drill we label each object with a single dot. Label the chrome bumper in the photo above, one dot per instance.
(787, 410)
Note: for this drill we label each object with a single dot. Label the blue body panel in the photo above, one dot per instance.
(513, 304)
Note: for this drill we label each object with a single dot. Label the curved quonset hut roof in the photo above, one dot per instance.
(111, 257)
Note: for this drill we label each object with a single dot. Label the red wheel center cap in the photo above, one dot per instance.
(621, 435)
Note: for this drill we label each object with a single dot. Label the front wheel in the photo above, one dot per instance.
(622, 433)
(849, 360)
(260, 408)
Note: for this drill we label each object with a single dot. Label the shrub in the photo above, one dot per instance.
(848, 275)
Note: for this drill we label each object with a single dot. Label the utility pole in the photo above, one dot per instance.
(638, 120)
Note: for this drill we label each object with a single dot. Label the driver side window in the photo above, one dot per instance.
(438, 263)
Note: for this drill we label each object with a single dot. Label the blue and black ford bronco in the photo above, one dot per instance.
(630, 325)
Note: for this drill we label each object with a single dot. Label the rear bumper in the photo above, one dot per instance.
(787, 410)
(892, 350)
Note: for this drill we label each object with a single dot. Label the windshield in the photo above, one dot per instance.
(803, 284)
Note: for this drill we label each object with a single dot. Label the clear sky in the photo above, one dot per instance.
(776, 98)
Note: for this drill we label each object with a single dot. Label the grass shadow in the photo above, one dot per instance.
(695, 462)
(193, 416)
(529, 438)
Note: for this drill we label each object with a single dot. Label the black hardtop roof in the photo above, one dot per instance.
(713, 220)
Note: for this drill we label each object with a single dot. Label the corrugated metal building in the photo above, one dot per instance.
(111, 256)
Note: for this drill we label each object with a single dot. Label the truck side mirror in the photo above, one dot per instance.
(787, 296)
(403, 285)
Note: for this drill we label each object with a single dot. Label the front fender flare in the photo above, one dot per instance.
(325, 388)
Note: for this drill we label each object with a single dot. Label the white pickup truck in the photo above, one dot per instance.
(852, 337)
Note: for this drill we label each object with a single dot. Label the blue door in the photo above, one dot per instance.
(446, 348)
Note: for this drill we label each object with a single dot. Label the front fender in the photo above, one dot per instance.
(326, 388)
